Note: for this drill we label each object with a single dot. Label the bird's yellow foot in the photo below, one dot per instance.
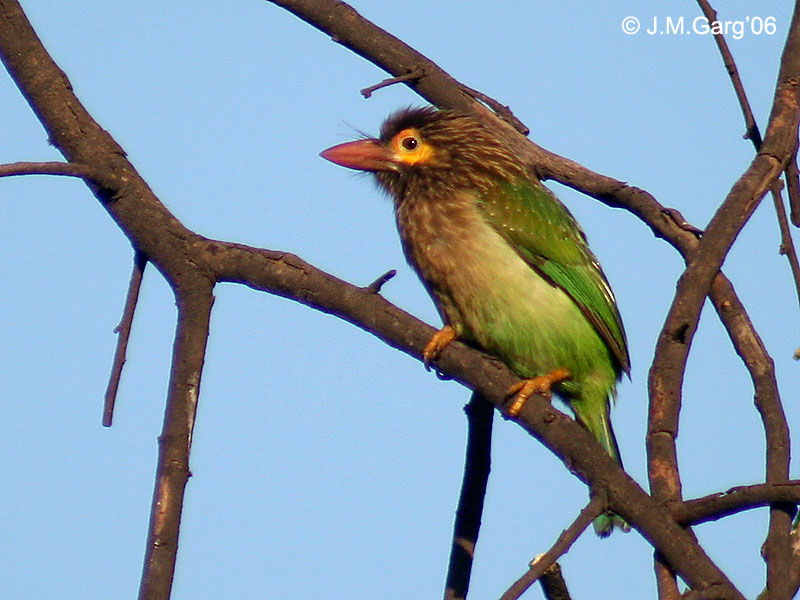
(525, 388)
(438, 342)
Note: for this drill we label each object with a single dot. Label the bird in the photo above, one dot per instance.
(507, 265)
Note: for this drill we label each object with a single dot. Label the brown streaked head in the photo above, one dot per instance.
(440, 148)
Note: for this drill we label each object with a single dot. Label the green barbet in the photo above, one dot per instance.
(505, 262)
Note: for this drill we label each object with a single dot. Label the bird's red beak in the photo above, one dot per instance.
(365, 155)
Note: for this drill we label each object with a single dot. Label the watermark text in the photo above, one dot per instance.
(700, 25)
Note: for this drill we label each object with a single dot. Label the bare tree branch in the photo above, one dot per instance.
(348, 28)
(553, 585)
(666, 376)
(194, 301)
(173, 249)
(666, 578)
(367, 91)
(123, 331)
(793, 190)
(794, 567)
(477, 465)
(787, 245)
(777, 551)
(751, 131)
(375, 286)
(192, 264)
(734, 500)
(69, 169)
(501, 110)
(540, 565)
(292, 278)
(154, 232)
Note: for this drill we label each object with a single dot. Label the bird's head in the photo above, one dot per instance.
(437, 149)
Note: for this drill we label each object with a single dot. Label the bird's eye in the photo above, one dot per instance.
(409, 143)
(409, 148)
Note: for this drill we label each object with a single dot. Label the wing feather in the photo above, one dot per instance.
(549, 239)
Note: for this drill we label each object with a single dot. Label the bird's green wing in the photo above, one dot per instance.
(549, 239)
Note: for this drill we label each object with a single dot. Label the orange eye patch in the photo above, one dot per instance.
(410, 148)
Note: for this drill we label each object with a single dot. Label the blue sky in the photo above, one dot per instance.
(325, 463)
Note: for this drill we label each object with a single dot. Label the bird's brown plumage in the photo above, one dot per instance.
(506, 263)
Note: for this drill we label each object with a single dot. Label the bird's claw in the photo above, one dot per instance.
(439, 342)
(525, 388)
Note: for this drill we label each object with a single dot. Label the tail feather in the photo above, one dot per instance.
(596, 420)
(599, 425)
(605, 524)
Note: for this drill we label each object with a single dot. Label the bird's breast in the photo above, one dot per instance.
(474, 275)
(443, 240)
(488, 293)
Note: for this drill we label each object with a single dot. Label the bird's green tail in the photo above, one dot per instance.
(596, 420)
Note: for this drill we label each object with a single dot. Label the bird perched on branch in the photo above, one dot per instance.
(505, 262)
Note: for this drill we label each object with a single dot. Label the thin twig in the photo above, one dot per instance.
(376, 285)
(501, 110)
(752, 133)
(793, 190)
(787, 245)
(737, 499)
(541, 563)
(123, 331)
(680, 221)
(477, 464)
(65, 169)
(417, 73)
